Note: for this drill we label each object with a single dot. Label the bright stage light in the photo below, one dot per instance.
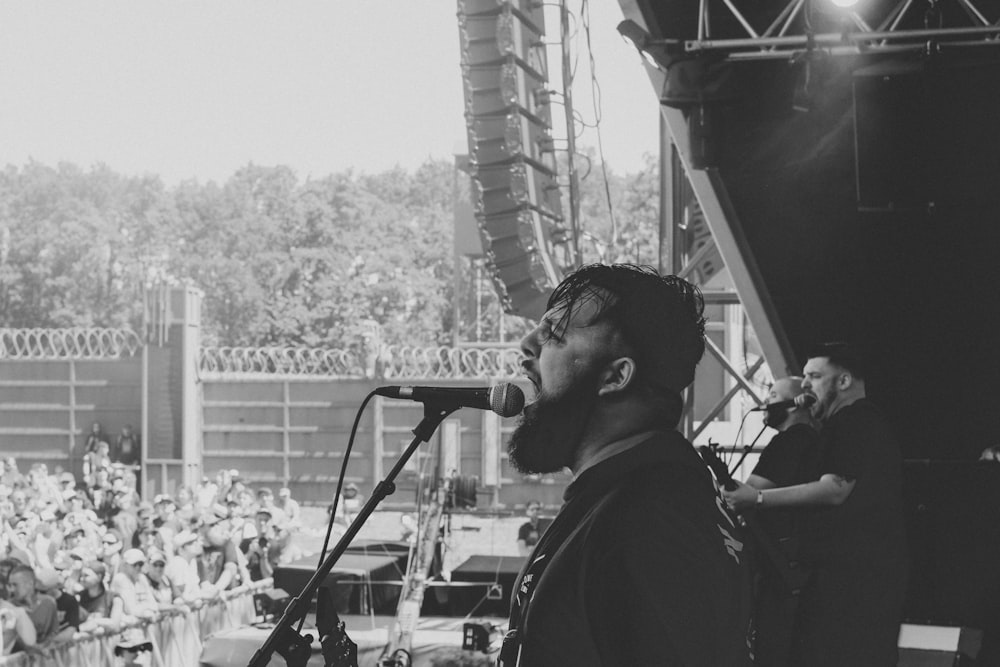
(844, 4)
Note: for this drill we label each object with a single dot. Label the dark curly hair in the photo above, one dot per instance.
(660, 318)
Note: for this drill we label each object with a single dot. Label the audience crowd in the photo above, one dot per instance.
(81, 554)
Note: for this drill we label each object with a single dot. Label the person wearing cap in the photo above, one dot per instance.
(22, 591)
(642, 565)
(218, 563)
(132, 586)
(111, 551)
(183, 568)
(164, 590)
(265, 500)
(49, 582)
(259, 548)
(290, 506)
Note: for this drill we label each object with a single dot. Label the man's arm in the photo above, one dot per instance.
(758, 482)
(828, 490)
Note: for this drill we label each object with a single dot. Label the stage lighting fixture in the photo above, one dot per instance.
(637, 36)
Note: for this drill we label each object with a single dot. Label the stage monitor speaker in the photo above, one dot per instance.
(496, 574)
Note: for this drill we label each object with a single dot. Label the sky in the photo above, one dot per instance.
(199, 88)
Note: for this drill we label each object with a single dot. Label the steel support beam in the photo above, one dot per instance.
(726, 230)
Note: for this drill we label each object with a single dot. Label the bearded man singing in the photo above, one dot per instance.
(641, 566)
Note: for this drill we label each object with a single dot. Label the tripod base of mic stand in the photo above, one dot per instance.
(294, 648)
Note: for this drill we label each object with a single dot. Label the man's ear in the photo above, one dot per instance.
(617, 376)
(844, 381)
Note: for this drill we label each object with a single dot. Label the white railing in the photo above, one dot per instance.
(70, 343)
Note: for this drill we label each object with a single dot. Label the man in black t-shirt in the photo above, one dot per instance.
(642, 565)
(790, 458)
(528, 533)
(850, 611)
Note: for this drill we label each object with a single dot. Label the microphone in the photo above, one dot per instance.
(800, 401)
(505, 399)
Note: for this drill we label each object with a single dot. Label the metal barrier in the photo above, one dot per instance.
(392, 362)
(271, 361)
(176, 634)
(71, 343)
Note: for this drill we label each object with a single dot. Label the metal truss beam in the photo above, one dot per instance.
(789, 32)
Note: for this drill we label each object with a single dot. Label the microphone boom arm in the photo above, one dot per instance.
(283, 638)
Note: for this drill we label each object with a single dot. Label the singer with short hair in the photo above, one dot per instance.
(790, 458)
(642, 565)
(850, 611)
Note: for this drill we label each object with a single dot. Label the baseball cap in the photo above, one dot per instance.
(184, 538)
(133, 556)
(113, 543)
(157, 556)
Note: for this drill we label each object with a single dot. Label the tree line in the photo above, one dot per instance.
(281, 261)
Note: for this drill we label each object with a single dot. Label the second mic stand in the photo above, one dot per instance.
(284, 639)
(748, 449)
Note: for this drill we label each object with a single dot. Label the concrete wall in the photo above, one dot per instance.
(47, 406)
(295, 432)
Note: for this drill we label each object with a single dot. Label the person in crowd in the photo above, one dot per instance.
(95, 461)
(127, 447)
(19, 503)
(95, 436)
(259, 548)
(41, 608)
(790, 458)
(850, 611)
(110, 551)
(218, 563)
(291, 508)
(95, 599)
(641, 566)
(182, 569)
(132, 586)
(125, 518)
(48, 582)
(47, 539)
(352, 501)
(11, 477)
(528, 533)
(18, 542)
(186, 509)
(164, 590)
(17, 632)
(265, 499)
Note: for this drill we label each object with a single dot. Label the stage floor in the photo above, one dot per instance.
(435, 637)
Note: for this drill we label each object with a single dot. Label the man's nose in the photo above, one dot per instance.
(529, 344)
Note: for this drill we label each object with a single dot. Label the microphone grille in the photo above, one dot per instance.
(506, 399)
(804, 400)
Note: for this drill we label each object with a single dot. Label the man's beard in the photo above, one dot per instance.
(551, 428)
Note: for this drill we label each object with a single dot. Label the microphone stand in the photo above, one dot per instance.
(288, 643)
(747, 450)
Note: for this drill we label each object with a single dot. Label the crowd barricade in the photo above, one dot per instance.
(176, 634)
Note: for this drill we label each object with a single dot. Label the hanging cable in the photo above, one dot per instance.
(595, 96)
